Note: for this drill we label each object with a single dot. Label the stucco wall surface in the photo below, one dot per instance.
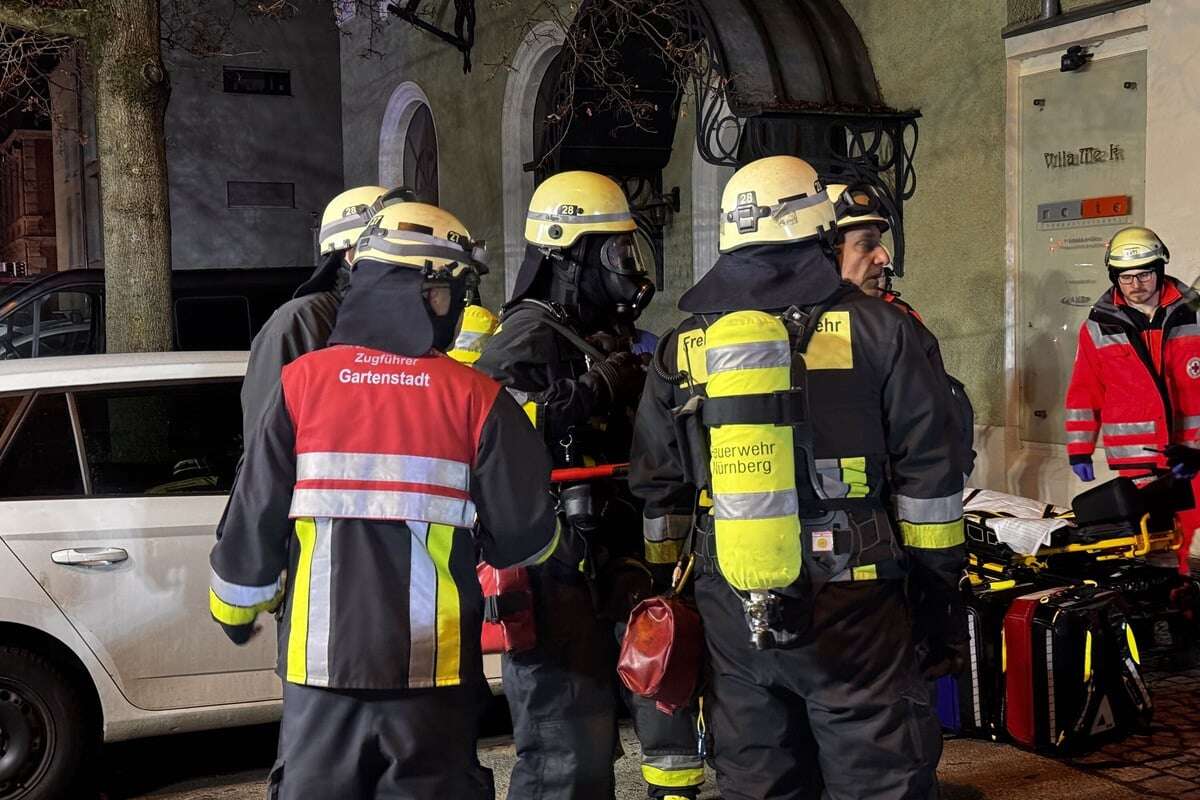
(1026, 10)
(214, 137)
(951, 67)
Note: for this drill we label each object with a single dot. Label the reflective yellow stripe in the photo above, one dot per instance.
(1003, 652)
(449, 621)
(672, 778)
(1133, 648)
(933, 536)
(665, 552)
(1087, 658)
(531, 411)
(856, 463)
(867, 573)
(297, 652)
(237, 615)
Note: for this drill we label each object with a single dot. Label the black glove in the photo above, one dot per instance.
(939, 631)
(620, 378)
(240, 634)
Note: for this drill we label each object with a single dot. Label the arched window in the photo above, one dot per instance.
(421, 156)
(408, 150)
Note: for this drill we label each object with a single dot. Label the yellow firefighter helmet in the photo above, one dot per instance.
(1134, 247)
(346, 216)
(419, 236)
(570, 204)
(775, 200)
(856, 206)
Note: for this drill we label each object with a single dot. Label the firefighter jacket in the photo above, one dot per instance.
(1136, 381)
(888, 494)
(371, 482)
(961, 430)
(299, 326)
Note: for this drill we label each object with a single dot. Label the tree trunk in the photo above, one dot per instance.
(131, 103)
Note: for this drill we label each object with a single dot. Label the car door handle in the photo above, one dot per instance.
(89, 556)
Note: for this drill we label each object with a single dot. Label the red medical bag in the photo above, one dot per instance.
(508, 622)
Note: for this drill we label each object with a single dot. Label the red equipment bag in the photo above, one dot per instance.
(1073, 678)
(508, 621)
(661, 651)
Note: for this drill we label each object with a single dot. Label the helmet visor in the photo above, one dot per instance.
(859, 200)
(620, 254)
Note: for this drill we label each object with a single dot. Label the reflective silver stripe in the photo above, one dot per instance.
(470, 340)
(755, 505)
(1187, 423)
(1081, 437)
(1130, 451)
(236, 594)
(578, 219)
(753, 355)
(1080, 415)
(1101, 339)
(422, 609)
(929, 510)
(521, 397)
(371, 504)
(383, 467)
(320, 578)
(673, 763)
(668, 528)
(832, 488)
(799, 203)
(1183, 331)
(1140, 254)
(449, 251)
(1128, 428)
(342, 225)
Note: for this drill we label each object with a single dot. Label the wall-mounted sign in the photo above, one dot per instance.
(1084, 156)
(1091, 210)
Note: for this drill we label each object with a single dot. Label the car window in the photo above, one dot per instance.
(159, 440)
(41, 460)
(8, 409)
(59, 324)
(213, 323)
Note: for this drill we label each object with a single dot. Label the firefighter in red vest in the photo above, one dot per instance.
(1137, 368)
(376, 472)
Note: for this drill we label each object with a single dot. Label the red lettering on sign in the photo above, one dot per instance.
(1114, 206)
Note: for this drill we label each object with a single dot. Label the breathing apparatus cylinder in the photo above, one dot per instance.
(752, 466)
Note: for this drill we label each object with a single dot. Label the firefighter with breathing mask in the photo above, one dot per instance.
(807, 419)
(564, 350)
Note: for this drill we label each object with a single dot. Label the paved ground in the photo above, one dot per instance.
(1163, 764)
(232, 765)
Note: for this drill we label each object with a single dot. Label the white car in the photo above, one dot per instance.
(114, 471)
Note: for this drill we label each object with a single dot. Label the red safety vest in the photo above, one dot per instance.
(1139, 387)
(356, 458)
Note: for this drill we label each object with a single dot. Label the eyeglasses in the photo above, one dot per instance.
(1137, 277)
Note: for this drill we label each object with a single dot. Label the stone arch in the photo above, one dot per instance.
(406, 100)
(530, 62)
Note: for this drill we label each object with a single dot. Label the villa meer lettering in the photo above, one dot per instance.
(1084, 156)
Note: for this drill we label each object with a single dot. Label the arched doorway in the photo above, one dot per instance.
(408, 150)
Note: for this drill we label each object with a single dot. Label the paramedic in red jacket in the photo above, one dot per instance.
(1137, 368)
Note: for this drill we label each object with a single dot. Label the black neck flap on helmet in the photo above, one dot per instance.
(765, 277)
(330, 275)
(385, 309)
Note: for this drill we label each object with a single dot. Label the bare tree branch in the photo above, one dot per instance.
(49, 18)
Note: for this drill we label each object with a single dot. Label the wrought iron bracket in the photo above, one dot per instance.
(463, 38)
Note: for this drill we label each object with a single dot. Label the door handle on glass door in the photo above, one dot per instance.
(89, 556)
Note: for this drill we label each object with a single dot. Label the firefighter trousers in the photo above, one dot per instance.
(843, 715)
(417, 744)
(563, 701)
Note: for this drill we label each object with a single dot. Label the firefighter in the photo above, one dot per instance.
(376, 470)
(864, 260)
(1137, 368)
(827, 481)
(563, 349)
(303, 323)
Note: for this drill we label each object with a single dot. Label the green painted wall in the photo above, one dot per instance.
(954, 225)
(1025, 10)
(467, 112)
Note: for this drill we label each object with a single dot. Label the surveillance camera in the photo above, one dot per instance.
(1075, 58)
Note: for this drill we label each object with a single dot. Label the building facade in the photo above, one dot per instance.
(27, 243)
